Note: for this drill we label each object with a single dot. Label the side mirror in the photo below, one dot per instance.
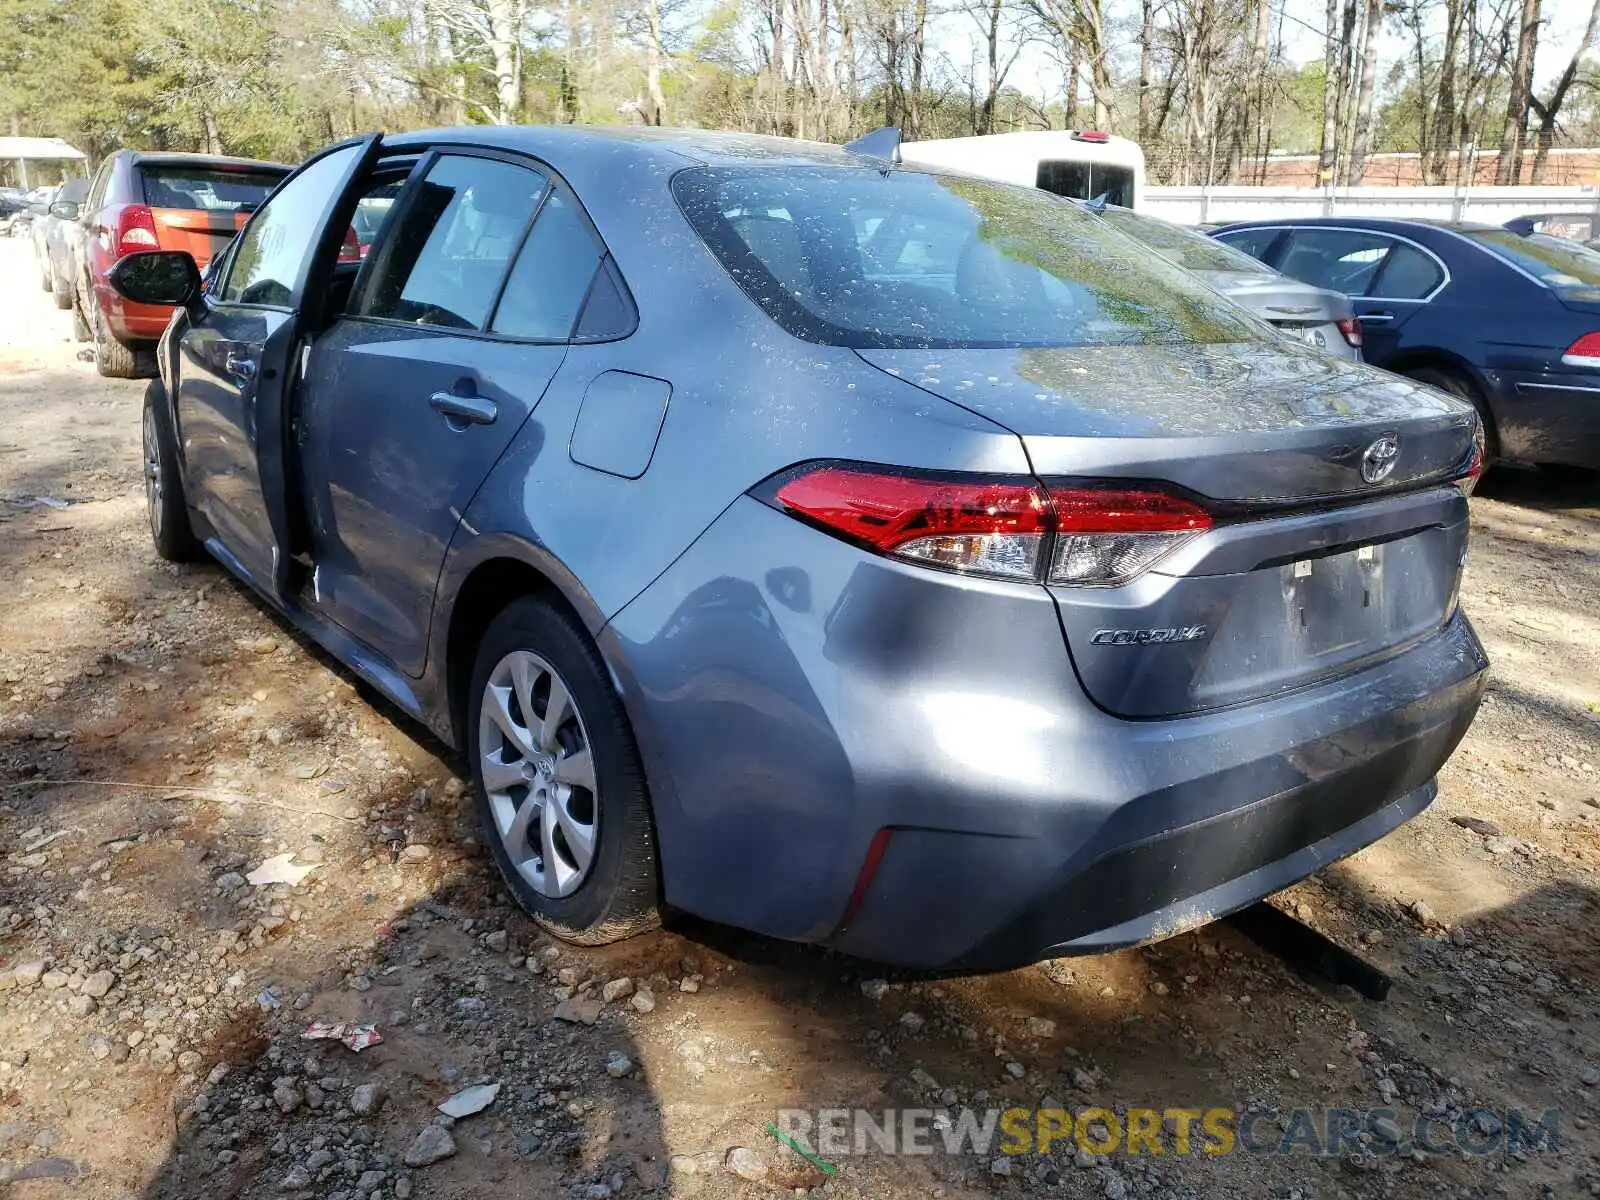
(64, 209)
(156, 277)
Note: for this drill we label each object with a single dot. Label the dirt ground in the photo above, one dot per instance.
(161, 735)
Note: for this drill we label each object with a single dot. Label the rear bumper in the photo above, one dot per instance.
(1172, 859)
(131, 323)
(794, 697)
(1548, 416)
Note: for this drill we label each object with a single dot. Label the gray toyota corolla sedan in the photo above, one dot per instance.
(859, 555)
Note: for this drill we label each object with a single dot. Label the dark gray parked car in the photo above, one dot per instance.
(902, 562)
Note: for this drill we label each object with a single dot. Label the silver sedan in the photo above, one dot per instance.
(1316, 315)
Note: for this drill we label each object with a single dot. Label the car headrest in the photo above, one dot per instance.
(502, 202)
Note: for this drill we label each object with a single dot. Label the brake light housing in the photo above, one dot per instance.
(999, 527)
(133, 229)
(1351, 328)
(1585, 352)
(1467, 481)
(1096, 136)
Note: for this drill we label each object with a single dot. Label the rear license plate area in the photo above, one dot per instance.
(1297, 619)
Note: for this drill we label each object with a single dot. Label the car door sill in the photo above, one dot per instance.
(350, 652)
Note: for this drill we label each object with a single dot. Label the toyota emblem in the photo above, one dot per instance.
(1377, 464)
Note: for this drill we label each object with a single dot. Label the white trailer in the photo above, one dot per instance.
(1080, 163)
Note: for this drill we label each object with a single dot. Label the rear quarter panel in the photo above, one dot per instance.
(1508, 332)
(747, 400)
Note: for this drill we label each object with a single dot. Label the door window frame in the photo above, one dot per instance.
(427, 157)
(216, 294)
(1281, 243)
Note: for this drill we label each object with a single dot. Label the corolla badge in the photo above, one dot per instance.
(1378, 463)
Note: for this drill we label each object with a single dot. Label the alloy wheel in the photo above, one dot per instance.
(535, 760)
(153, 491)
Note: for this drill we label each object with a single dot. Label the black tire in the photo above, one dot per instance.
(1457, 384)
(115, 360)
(62, 290)
(619, 896)
(166, 507)
(80, 327)
(46, 278)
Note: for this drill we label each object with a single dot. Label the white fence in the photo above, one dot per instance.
(1490, 205)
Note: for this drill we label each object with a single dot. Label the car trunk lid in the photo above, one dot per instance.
(1238, 424)
(202, 234)
(1336, 541)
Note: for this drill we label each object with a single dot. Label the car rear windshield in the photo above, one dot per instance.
(212, 191)
(1552, 261)
(903, 259)
(1186, 247)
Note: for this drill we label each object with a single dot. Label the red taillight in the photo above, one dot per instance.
(134, 229)
(1007, 528)
(994, 527)
(1585, 352)
(1102, 510)
(350, 248)
(1106, 537)
(1091, 135)
(869, 868)
(1351, 328)
(1467, 481)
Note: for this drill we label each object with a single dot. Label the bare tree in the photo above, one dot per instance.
(497, 27)
(1372, 38)
(1078, 30)
(1547, 110)
(1436, 143)
(1509, 169)
(655, 105)
(1328, 159)
(989, 15)
(919, 48)
(1147, 48)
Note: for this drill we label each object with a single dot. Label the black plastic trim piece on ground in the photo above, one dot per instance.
(1306, 950)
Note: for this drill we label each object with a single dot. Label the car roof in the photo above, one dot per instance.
(686, 146)
(205, 162)
(1377, 224)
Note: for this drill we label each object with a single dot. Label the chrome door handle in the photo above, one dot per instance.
(239, 368)
(461, 411)
(1376, 318)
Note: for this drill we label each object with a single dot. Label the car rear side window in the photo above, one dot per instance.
(1254, 242)
(97, 189)
(551, 276)
(1344, 260)
(270, 254)
(854, 256)
(207, 190)
(457, 234)
(1408, 274)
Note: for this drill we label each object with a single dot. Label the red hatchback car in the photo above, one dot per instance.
(143, 200)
